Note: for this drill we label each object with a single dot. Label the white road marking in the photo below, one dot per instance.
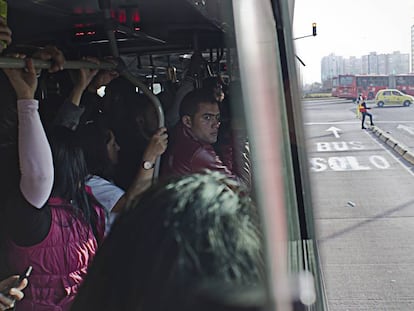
(409, 129)
(405, 166)
(352, 122)
(334, 131)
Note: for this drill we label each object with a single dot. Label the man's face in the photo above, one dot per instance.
(205, 123)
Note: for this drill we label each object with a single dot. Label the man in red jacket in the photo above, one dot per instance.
(363, 109)
(191, 146)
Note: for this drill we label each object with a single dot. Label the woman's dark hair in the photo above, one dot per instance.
(94, 139)
(196, 228)
(70, 172)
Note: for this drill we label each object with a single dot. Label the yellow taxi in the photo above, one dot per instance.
(388, 97)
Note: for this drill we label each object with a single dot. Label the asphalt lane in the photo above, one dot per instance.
(397, 121)
(363, 202)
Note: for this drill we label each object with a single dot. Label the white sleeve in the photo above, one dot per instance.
(105, 192)
(35, 155)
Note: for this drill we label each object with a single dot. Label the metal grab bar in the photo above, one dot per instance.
(11, 62)
(105, 6)
(157, 105)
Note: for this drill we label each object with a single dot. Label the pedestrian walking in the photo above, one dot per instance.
(363, 109)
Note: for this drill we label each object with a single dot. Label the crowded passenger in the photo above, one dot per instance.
(193, 76)
(133, 119)
(92, 102)
(101, 153)
(52, 222)
(180, 234)
(233, 133)
(191, 148)
(215, 84)
(101, 148)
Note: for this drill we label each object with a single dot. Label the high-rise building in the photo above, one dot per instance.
(399, 63)
(331, 66)
(382, 61)
(373, 63)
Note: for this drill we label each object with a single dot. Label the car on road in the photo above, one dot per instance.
(394, 97)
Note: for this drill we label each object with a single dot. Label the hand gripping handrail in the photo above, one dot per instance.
(157, 105)
(105, 6)
(10, 62)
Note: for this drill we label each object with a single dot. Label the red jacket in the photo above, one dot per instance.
(186, 155)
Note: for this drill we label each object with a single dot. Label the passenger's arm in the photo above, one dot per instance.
(70, 112)
(35, 156)
(206, 158)
(241, 157)
(84, 78)
(68, 115)
(156, 147)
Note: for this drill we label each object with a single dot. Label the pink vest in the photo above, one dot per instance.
(59, 262)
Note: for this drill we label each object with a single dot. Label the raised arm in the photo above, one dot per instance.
(86, 81)
(143, 179)
(35, 156)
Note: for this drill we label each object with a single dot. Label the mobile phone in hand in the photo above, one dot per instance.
(24, 275)
(16, 283)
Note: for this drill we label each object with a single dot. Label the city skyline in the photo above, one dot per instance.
(374, 63)
(350, 28)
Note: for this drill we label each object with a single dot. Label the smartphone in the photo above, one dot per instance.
(22, 276)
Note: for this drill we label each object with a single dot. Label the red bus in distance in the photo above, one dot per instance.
(351, 86)
(404, 83)
(346, 86)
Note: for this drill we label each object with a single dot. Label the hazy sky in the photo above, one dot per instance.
(350, 28)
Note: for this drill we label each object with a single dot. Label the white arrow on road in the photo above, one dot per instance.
(334, 130)
(409, 129)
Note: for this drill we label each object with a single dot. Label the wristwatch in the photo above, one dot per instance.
(147, 165)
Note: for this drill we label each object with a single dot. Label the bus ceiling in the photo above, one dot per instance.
(141, 26)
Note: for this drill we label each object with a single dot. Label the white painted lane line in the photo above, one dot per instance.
(405, 166)
(352, 122)
(408, 129)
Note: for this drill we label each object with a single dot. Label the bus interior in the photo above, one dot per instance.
(250, 41)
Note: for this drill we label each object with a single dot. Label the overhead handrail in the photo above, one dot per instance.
(16, 63)
(11, 62)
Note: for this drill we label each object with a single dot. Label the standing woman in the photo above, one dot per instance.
(10, 292)
(101, 153)
(100, 148)
(59, 238)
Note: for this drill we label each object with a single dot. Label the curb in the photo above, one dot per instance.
(394, 144)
